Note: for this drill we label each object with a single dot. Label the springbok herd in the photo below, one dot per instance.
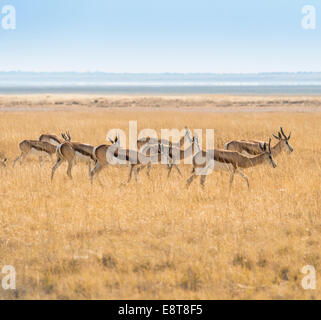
(236, 155)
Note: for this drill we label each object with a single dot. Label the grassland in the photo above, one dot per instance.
(156, 239)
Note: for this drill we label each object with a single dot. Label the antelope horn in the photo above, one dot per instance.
(283, 133)
(289, 135)
(196, 140)
(270, 145)
(276, 137)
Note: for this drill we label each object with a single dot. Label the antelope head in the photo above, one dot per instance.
(66, 136)
(266, 149)
(188, 135)
(284, 140)
(196, 144)
(113, 141)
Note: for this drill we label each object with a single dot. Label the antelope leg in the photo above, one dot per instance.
(203, 178)
(15, 160)
(70, 165)
(131, 167)
(244, 176)
(59, 162)
(231, 178)
(190, 179)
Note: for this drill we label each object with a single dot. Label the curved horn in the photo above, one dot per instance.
(283, 133)
(270, 145)
(276, 137)
(196, 142)
(289, 135)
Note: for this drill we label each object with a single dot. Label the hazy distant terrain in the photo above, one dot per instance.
(162, 83)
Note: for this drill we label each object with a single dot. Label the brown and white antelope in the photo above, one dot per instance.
(100, 156)
(35, 147)
(51, 138)
(173, 150)
(135, 159)
(252, 147)
(176, 154)
(73, 152)
(230, 161)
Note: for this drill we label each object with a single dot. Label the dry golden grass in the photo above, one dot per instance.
(156, 239)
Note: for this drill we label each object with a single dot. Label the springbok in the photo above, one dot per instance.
(176, 154)
(73, 152)
(51, 138)
(173, 150)
(100, 156)
(252, 147)
(231, 161)
(36, 147)
(135, 159)
(3, 160)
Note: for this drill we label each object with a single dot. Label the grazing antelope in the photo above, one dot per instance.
(231, 161)
(136, 160)
(51, 138)
(179, 154)
(28, 147)
(73, 152)
(152, 141)
(252, 147)
(100, 155)
(3, 160)
(173, 150)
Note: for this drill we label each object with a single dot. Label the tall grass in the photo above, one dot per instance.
(156, 239)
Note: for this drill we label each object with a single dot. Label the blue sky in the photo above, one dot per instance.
(161, 36)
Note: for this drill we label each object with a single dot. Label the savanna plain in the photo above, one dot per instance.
(156, 239)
